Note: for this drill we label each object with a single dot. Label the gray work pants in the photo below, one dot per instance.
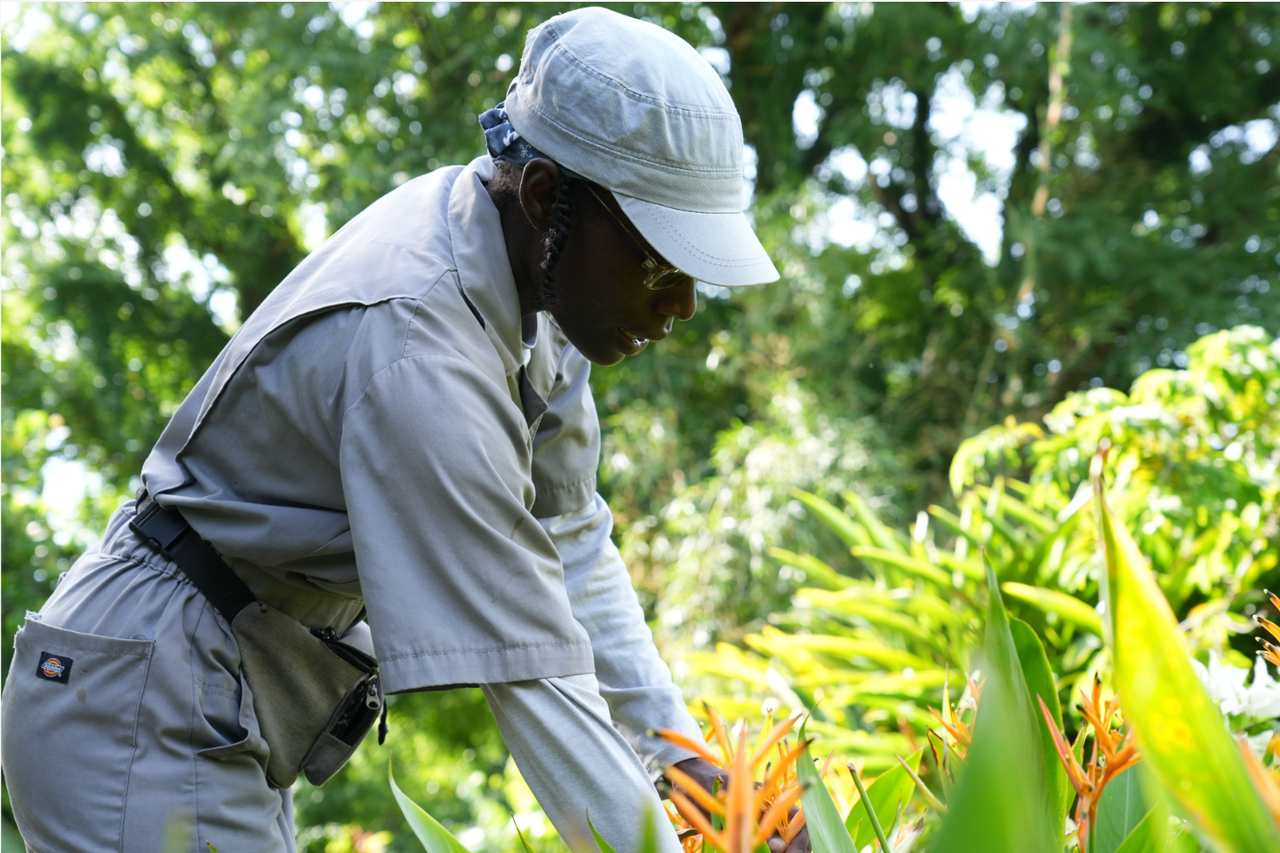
(146, 739)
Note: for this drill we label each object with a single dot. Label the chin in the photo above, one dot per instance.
(597, 351)
(602, 357)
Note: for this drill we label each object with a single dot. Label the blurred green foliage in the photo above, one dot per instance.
(165, 165)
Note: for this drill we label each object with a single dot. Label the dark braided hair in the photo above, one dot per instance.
(553, 244)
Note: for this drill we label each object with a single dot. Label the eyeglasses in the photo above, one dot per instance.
(658, 275)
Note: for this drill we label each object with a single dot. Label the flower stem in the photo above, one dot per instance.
(871, 812)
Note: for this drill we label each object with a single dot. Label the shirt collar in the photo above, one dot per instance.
(484, 270)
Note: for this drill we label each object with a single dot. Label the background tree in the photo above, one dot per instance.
(976, 211)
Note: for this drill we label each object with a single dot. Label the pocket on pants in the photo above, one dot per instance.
(71, 706)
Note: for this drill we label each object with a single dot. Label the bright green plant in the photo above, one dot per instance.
(1008, 789)
(1194, 455)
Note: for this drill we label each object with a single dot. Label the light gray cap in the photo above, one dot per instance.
(634, 108)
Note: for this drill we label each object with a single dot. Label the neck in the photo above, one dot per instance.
(524, 252)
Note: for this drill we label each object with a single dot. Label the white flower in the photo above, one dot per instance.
(1224, 683)
(1226, 686)
(1262, 699)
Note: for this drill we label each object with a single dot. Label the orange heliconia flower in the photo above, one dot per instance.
(1269, 651)
(961, 733)
(1116, 755)
(750, 811)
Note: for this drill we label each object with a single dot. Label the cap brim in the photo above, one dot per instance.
(718, 248)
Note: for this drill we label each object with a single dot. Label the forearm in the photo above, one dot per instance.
(576, 762)
(633, 679)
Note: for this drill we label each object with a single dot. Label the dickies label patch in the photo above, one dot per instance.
(54, 668)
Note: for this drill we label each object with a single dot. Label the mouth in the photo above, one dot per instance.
(632, 344)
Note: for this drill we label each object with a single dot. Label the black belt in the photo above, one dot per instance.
(196, 557)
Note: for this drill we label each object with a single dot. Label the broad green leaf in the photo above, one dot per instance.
(1120, 811)
(909, 564)
(1068, 607)
(434, 837)
(1181, 733)
(1142, 839)
(1040, 683)
(888, 794)
(826, 831)
(842, 525)
(998, 806)
(1002, 656)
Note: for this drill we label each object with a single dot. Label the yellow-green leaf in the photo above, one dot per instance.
(842, 525)
(1068, 607)
(909, 564)
(1181, 733)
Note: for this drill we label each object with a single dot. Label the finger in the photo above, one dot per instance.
(776, 844)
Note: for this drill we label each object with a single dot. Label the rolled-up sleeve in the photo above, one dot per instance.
(461, 584)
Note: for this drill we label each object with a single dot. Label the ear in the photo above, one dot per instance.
(538, 185)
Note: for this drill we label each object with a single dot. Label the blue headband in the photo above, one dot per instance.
(505, 143)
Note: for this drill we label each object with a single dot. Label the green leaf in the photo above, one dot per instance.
(434, 837)
(881, 535)
(909, 564)
(1003, 657)
(889, 793)
(1183, 738)
(815, 570)
(1068, 607)
(524, 842)
(600, 842)
(1019, 510)
(998, 806)
(1120, 811)
(849, 531)
(1040, 683)
(1143, 838)
(826, 831)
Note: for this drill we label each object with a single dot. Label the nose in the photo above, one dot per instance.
(679, 302)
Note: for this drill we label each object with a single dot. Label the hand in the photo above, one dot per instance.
(705, 773)
(701, 771)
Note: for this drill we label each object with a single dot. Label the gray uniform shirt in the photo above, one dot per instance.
(372, 436)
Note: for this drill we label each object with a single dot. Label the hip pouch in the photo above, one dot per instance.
(316, 693)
